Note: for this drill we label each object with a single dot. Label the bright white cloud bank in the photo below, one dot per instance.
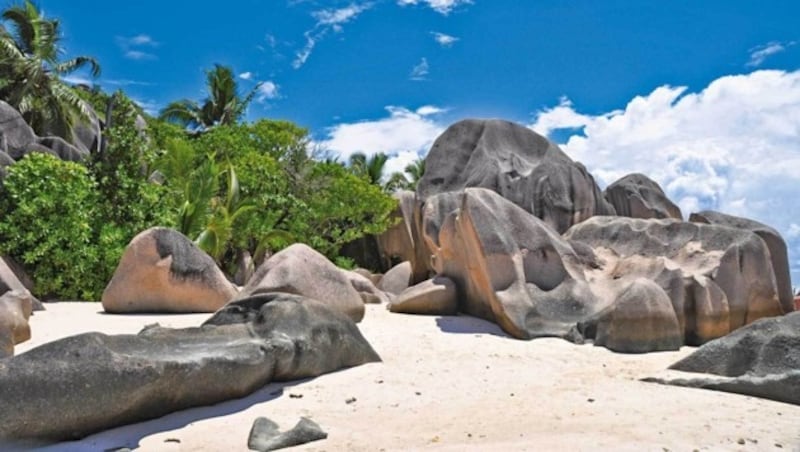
(732, 147)
(404, 136)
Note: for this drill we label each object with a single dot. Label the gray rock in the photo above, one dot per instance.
(15, 310)
(718, 278)
(397, 279)
(403, 241)
(510, 267)
(366, 289)
(641, 320)
(520, 165)
(638, 196)
(264, 436)
(15, 134)
(436, 296)
(161, 270)
(87, 134)
(301, 270)
(761, 359)
(10, 281)
(5, 161)
(64, 150)
(83, 384)
(775, 244)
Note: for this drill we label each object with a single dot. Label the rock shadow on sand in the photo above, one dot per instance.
(464, 324)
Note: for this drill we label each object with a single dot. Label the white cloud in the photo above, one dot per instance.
(732, 147)
(77, 80)
(246, 75)
(267, 90)
(420, 71)
(132, 46)
(139, 55)
(404, 136)
(760, 53)
(444, 40)
(441, 6)
(327, 20)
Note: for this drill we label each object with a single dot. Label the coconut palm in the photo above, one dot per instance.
(30, 71)
(223, 106)
(369, 167)
(408, 180)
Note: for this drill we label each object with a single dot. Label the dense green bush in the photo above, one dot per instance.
(49, 213)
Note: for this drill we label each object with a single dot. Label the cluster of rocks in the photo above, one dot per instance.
(503, 226)
(295, 319)
(17, 139)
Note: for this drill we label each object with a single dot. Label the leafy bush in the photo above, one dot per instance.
(49, 208)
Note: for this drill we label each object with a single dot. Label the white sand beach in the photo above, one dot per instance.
(454, 383)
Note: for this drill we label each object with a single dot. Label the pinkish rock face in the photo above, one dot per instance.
(797, 303)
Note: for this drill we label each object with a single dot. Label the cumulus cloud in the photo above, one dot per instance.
(404, 135)
(266, 91)
(246, 75)
(133, 47)
(420, 71)
(444, 40)
(440, 6)
(760, 53)
(327, 20)
(733, 146)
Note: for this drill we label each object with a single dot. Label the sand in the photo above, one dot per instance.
(452, 384)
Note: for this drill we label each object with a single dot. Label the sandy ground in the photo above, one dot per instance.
(455, 383)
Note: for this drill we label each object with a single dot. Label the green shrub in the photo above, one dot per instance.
(49, 209)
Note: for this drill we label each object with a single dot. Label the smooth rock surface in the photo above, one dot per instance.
(638, 196)
(397, 279)
(436, 296)
(775, 244)
(403, 241)
(510, 267)
(264, 436)
(366, 289)
(15, 310)
(163, 271)
(761, 359)
(82, 384)
(520, 165)
(718, 278)
(10, 281)
(301, 270)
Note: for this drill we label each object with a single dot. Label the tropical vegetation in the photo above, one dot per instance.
(236, 188)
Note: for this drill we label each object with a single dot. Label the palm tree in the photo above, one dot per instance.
(30, 71)
(371, 168)
(409, 180)
(415, 170)
(223, 106)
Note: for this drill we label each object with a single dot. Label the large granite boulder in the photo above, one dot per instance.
(640, 320)
(520, 165)
(403, 241)
(15, 310)
(366, 289)
(83, 384)
(510, 267)
(163, 271)
(15, 134)
(717, 278)
(638, 196)
(87, 133)
(775, 243)
(761, 359)
(397, 279)
(301, 270)
(63, 149)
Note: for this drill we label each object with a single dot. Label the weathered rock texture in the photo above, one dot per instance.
(403, 242)
(761, 359)
(10, 281)
(509, 266)
(163, 271)
(437, 296)
(265, 436)
(365, 288)
(397, 279)
(717, 278)
(517, 163)
(775, 244)
(79, 385)
(15, 310)
(301, 270)
(638, 196)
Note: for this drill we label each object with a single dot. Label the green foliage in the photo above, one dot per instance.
(223, 106)
(49, 208)
(408, 180)
(30, 69)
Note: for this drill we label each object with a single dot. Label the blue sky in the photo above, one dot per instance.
(703, 96)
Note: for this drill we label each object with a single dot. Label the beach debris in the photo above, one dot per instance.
(265, 434)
